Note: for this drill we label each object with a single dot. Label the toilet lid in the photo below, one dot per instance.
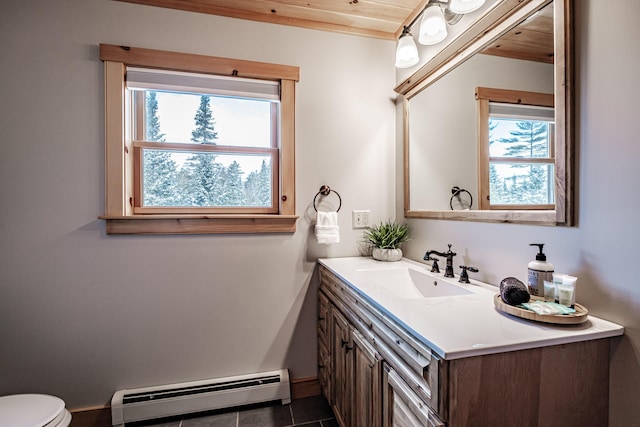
(29, 410)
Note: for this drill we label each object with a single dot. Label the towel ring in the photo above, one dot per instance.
(325, 191)
(455, 191)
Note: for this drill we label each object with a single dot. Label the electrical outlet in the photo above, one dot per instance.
(360, 219)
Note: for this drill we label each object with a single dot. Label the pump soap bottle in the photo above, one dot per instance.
(539, 271)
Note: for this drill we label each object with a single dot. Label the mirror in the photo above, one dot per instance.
(446, 161)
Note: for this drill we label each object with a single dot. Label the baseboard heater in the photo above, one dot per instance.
(198, 396)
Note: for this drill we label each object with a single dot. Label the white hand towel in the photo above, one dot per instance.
(327, 230)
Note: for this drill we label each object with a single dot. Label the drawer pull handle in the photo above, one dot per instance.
(347, 349)
(343, 342)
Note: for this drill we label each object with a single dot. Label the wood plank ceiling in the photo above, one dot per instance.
(383, 19)
(531, 40)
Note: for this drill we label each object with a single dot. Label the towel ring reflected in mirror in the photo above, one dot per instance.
(459, 200)
(325, 190)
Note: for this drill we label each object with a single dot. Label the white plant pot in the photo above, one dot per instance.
(387, 254)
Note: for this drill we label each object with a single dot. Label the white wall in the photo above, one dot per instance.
(602, 250)
(83, 314)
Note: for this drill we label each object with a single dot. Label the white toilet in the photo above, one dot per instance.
(33, 410)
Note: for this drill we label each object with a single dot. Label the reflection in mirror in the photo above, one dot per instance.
(516, 151)
(452, 136)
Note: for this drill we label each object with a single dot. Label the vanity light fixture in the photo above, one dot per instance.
(407, 51)
(433, 27)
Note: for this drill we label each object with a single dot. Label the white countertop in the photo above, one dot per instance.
(463, 325)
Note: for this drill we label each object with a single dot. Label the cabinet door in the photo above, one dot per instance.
(324, 371)
(324, 346)
(367, 384)
(341, 363)
(323, 317)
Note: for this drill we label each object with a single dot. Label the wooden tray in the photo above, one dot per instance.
(580, 316)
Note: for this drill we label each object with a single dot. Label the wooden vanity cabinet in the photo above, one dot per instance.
(351, 371)
(374, 374)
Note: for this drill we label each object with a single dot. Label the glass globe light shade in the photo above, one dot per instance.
(433, 27)
(465, 6)
(406, 52)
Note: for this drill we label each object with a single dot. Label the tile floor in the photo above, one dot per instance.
(308, 412)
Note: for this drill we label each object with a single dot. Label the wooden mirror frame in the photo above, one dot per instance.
(488, 27)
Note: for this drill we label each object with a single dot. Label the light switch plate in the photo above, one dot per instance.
(360, 218)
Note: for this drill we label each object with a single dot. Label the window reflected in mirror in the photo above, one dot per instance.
(517, 150)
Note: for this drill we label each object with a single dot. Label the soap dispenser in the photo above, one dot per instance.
(539, 271)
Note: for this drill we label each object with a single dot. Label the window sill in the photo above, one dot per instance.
(200, 224)
(549, 217)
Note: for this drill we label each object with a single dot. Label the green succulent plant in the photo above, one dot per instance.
(387, 235)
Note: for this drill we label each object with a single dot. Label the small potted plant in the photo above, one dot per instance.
(386, 238)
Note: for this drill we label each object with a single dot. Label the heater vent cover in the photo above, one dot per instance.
(197, 396)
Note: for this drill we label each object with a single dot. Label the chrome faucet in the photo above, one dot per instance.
(448, 271)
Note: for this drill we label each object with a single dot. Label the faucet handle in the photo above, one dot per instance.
(434, 265)
(464, 276)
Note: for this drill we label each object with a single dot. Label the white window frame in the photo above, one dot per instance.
(120, 189)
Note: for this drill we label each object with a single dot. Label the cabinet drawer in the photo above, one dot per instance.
(407, 409)
(417, 360)
(332, 283)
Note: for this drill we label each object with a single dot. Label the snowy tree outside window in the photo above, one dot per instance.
(205, 150)
(521, 162)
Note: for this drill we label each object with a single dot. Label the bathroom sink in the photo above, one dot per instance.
(411, 283)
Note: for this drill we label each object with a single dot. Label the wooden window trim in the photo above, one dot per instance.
(484, 96)
(119, 148)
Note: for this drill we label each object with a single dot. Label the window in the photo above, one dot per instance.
(517, 150)
(203, 143)
(197, 144)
